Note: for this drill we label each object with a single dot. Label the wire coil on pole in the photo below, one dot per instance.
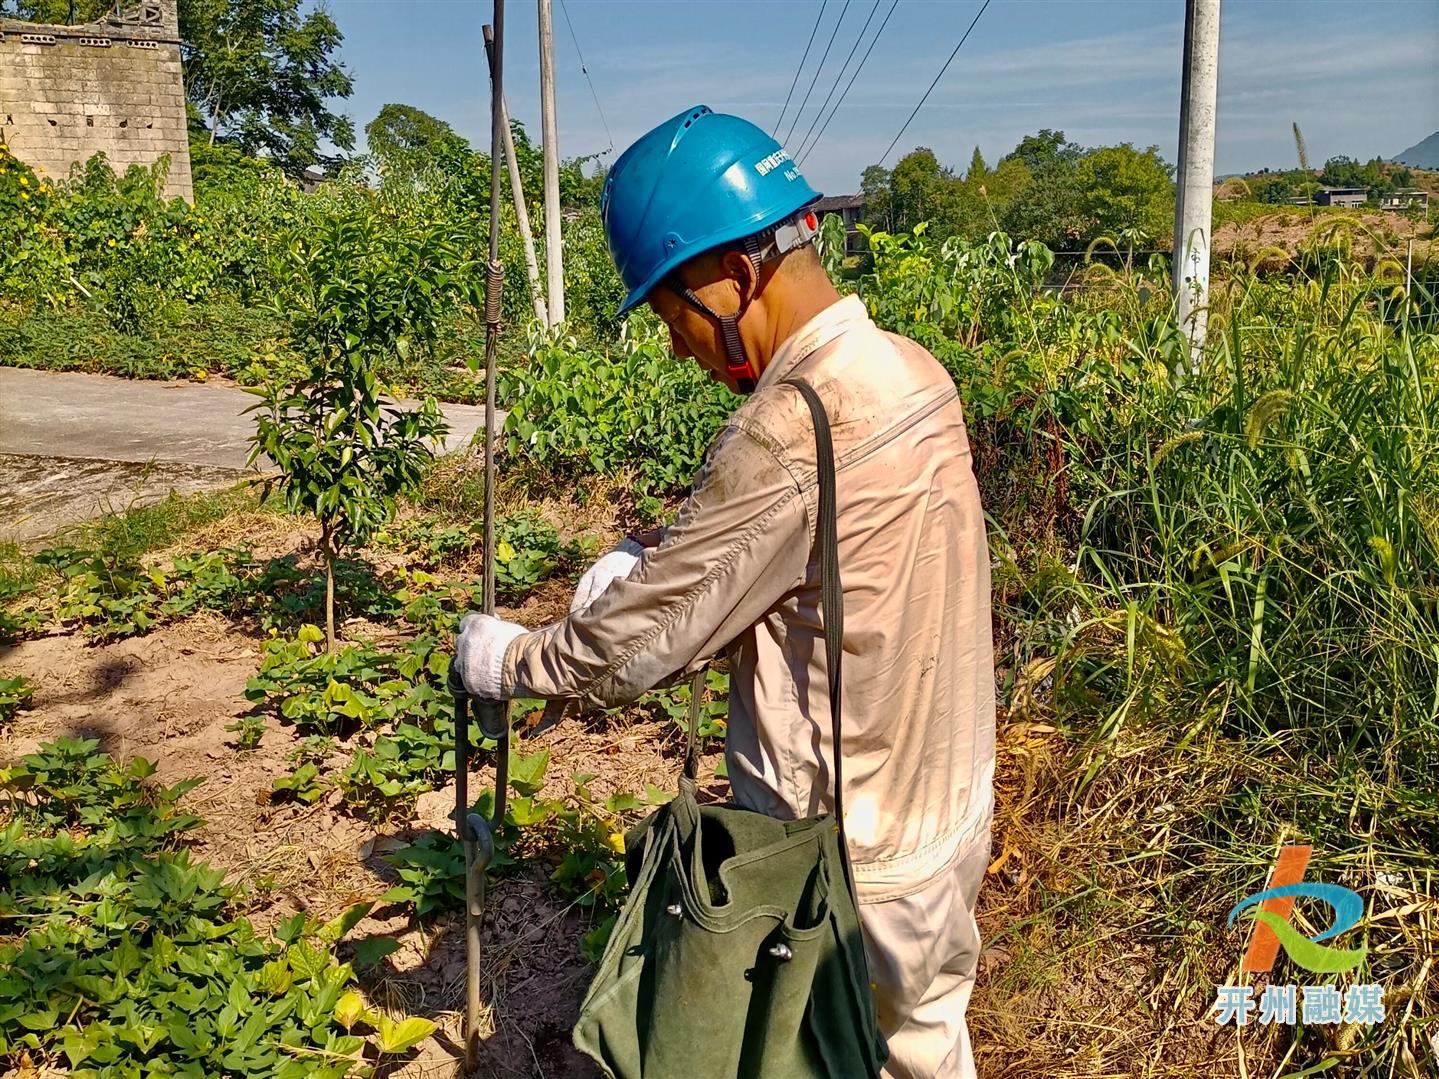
(494, 290)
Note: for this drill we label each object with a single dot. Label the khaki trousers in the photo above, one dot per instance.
(923, 952)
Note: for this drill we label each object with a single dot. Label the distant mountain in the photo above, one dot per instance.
(1422, 155)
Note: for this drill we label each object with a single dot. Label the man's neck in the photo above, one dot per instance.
(792, 312)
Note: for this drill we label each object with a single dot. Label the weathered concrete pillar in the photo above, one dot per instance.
(114, 87)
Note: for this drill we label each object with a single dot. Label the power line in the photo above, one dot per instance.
(845, 93)
(564, 7)
(800, 111)
(839, 75)
(813, 30)
(935, 83)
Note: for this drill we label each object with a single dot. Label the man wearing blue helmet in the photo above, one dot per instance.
(708, 221)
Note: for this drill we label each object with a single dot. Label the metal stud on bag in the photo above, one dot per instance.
(782, 953)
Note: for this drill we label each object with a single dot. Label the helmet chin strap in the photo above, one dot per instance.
(737, 361)
(759, 249)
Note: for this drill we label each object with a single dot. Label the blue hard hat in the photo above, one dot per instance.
(699, 180)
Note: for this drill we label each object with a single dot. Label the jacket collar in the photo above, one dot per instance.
(834, 320)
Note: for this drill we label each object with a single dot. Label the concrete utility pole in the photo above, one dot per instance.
(1195, 193)
(517, 193)
(554, 264)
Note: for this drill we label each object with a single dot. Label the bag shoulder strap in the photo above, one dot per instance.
(831, 592)
(831, 609)
(831, 595)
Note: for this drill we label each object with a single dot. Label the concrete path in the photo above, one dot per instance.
(73, 445)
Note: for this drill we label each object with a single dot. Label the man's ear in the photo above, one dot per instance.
(737, 266)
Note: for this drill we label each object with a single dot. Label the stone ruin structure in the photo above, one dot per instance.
(68, 92)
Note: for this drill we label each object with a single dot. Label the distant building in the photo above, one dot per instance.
(1411, 198)
(1341, 196)
(311, 179)
(849, 208)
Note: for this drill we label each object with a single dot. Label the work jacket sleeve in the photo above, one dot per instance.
(739, 544)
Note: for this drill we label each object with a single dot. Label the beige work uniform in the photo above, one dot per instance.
(737, 572)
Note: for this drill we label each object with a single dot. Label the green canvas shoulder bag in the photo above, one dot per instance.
(738, 952)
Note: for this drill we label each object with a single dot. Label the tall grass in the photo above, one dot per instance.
(1219, 595)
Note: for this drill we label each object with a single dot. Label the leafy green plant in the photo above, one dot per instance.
(303, 784)
(356, 292)
(248, 730)
(15, 695)
(431, 872)
(354, 687)
(575, 410)
(121, 955)
(674, 703)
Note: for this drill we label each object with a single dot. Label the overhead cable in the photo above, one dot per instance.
(813, 30)
(564, 7)
(853, 75)
(839, 75)
(800, 111)
(932, 85)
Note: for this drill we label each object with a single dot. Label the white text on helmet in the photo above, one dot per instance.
(765, 165)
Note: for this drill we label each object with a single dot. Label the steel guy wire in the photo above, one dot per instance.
(932, 85)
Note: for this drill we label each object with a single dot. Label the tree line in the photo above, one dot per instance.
(1375, 177)
(1048, 188)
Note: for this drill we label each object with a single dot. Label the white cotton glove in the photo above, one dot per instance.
(609, 568)
(480, 652)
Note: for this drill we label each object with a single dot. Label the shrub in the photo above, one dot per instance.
(575, 410)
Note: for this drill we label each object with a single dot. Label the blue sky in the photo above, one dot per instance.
(1360, 77)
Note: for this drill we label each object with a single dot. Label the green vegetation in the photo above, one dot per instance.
(101, 273)
(1047, 189)
(15, 694)
(354, 289)
(1215, 578)
(122, 955)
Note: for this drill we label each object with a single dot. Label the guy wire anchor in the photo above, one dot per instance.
(477, 835)
(475, 832)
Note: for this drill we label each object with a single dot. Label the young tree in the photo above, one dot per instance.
(1124, 190)
(356, 292)
(259, 75)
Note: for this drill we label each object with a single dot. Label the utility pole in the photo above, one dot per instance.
(517, 193)
(1193, 209)
(554, 265)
